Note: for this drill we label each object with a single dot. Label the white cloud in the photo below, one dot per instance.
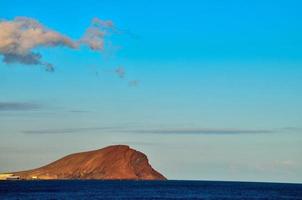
(21, 36)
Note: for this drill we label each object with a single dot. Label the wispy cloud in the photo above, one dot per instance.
(291, 129)
(94, 35)
(215, 131)
(120, 71)
(71, 130)
(20, 36)
(129, 130)
(18, 106)
(79, 111)
(133, 83)
(201, 131)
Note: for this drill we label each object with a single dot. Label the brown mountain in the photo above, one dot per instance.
(112, 162)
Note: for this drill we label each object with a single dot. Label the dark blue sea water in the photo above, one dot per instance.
(147, 190)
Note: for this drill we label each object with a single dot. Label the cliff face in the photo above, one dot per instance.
(113, 162)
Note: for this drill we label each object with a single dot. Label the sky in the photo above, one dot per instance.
(208, 90)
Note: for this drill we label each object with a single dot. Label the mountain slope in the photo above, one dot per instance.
(112, 162)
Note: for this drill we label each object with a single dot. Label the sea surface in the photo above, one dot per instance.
(93, 189)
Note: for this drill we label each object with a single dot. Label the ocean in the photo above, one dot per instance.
(96, 189)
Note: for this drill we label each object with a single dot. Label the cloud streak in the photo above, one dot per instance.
(201, 131)
(123, 129)
(20, 37)
(18, 106)
(70, 130)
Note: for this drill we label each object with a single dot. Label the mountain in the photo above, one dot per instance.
(112, 162)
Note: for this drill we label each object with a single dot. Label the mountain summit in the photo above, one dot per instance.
(113, 162)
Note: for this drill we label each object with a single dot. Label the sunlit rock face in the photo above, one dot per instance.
(113, 162)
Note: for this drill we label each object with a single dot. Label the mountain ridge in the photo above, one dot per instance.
(116, 162)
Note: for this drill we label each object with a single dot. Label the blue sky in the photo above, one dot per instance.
(218, 96)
